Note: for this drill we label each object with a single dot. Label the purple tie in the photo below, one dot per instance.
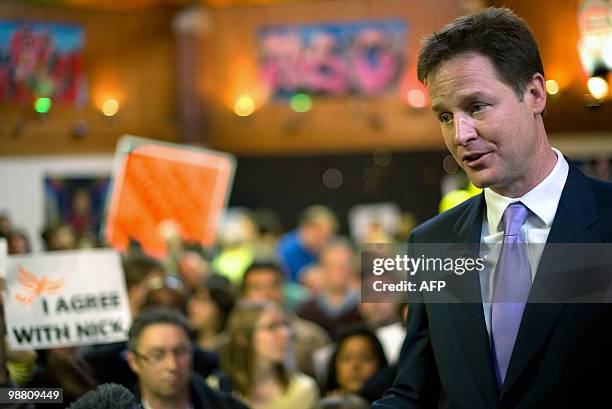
(511, 285)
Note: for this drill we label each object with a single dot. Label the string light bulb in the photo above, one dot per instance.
(110, 107)
(552, 87)
(598, 87)
(244, 106)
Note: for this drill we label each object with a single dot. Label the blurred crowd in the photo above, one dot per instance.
(271, 319)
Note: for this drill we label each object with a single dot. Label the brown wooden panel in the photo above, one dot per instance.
(129, 56)
(133, 53)
(334, 124)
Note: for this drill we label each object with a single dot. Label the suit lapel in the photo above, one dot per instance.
(574, 222)
(468, 317)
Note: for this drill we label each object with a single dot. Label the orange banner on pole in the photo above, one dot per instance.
(157, 183)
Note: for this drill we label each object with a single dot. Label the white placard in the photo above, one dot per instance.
(363, 217)
(3, 256)
(65, 298)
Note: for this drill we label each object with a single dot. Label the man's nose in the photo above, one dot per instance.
(171, 361)
(464, 129)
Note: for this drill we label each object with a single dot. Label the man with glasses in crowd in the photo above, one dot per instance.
(160, 353)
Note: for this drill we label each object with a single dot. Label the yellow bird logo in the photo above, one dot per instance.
(35, 287)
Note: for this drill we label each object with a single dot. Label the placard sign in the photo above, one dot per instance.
(157, 184)
(65, 298)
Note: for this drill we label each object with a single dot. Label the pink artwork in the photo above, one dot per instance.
(360, 58)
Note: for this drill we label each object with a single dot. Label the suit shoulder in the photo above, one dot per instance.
(603, 198)
(440, 226)
(602, 189)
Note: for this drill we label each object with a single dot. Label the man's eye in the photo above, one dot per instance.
(478, 108)
(156, 356)
(445, 117)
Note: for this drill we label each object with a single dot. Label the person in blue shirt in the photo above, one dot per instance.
(301, 247)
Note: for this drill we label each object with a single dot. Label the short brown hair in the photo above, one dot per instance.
(496, 33)
(138, 267)
(156, 315)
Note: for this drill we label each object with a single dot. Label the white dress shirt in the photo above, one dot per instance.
(542, 202)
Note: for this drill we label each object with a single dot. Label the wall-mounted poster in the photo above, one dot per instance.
(354, 58)
(41, 60)
(77, 202)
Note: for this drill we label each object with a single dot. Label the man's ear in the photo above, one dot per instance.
(535, 93)
(133, 362)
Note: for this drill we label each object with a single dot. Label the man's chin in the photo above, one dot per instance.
(167, 396)
(170, 391)
(480, 179)
(480, 184)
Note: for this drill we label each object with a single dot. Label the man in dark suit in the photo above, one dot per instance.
(486, 82)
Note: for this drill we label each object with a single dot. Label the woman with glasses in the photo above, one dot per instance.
(260, 361)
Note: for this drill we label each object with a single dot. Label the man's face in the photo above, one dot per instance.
(338, 267)
(263, 284)
(496, 138)
(378, 314)
(162, 361)
(317, 233)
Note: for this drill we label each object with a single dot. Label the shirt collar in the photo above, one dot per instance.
(542, 200)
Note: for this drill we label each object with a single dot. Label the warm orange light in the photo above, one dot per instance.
(110, 107)
(552, 87)
(416, 98)
(106, 87)
(562, 75)
(598, 87)
(244, 106)
(243, 79)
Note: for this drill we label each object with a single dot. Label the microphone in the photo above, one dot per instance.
(107, 396)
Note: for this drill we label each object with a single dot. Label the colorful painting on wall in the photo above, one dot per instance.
(41, 60)
(78, 202)
(356, 58)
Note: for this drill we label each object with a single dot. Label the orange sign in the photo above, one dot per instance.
(160, 184)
